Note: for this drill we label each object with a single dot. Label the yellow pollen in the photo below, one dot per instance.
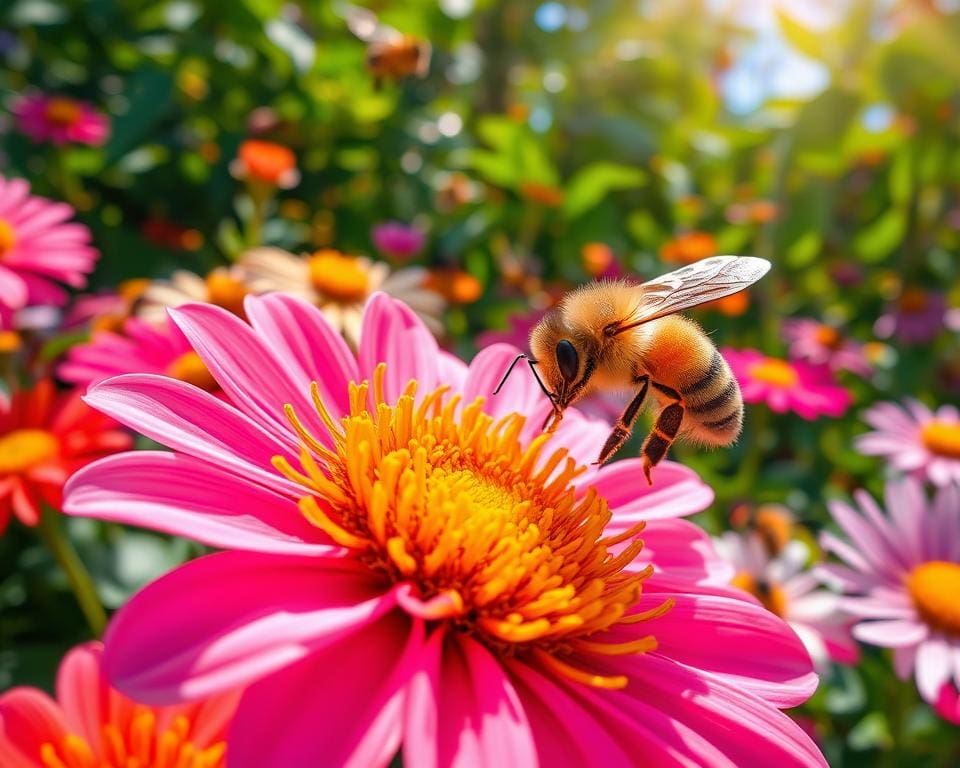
(934, 587)
(338, 277)
(191, 369)
(778, 373)
(25, 448)
(138, 743)
(437, 495)
(226, 291)
(941, 438)
(8, 237)
(828, 337)
(62, 112)
(10, 342)
(770, 595)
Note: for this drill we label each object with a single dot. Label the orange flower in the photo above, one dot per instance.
(541, 193)
(731, 306)
(266, 162)
(688, 248)
(455, 285)
(45, 438)
(597, 258)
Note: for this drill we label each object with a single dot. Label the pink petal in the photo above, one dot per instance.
(520, 394)
(681, 554)
(676, 492)
(340, 706)
(227, 619)
(183, 496)
(193, 422)
(890, 634)
(83, 691)
(12, 288)
(934, 667)
(28, 719)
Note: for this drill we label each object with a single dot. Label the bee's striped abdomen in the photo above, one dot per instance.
(713, 403)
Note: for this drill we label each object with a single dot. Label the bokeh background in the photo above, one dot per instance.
(539, 147)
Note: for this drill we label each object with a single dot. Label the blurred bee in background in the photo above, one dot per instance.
(618, 335)
(391, 55)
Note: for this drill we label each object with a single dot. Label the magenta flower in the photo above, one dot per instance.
(822, 344)
(60, 120)
(783, 584)
(393, 238)
(92, 724)
(141, 348)
(901, 573)
(915, 439)
(805, 389)
(38, 249)
(412, 565)
(917, 317)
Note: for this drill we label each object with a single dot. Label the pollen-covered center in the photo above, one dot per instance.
(941, 438)
(934, 587)
(139, 743)
(339, 277)
(62, 112)
(25, 448)
(775, 372)
(8, 237)
(491, 535)
(190, 368)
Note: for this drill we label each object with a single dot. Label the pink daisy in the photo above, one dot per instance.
(142, 347)
(805, 389)
(39, 248)
(916, 317)
(822, 344)
(902, 574)
(60, 120)
(784, 585)
(91, 724)
(412, 566)
(915, 439)
(393, 238)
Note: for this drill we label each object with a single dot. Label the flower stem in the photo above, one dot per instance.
(53, 535)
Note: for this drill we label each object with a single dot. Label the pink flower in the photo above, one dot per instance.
(39, 248)
(91, 723)
(807, 390)
(783, 585)
(822, 344)
(60, 120)
(917, 317)
(915, 439)
(141, 348)
(902, 574)
(396, 239)
(410, 565)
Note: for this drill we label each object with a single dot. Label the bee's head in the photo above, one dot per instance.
(558, 358)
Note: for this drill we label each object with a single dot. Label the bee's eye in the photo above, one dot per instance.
(567, 360)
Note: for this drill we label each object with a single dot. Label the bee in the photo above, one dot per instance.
(616, 335)
(391, 55)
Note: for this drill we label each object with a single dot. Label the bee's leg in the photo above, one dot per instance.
(624, 425)
(663, 433)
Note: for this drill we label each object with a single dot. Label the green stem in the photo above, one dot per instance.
(53, 535)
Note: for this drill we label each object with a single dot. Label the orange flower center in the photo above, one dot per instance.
(10, 341)
(226, 291)
(777, 373)
(140, 745)
(267, 161)
(913, 301)
(773, 597)
(934, 587)
(8, 237)
(941, 438)
(456, 286)
(828, 337)
(490, 533)
(25, 448)
(339, 277)
(62, 112)
(191, 369)
(597, 257)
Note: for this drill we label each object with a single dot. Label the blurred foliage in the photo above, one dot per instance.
(537, 130)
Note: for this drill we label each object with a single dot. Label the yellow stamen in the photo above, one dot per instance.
(338, 277)
(778, 373)
(941, 438)
(934, 587)
(438, 495)
(8, 237)
(191, 369)
(609, 682)
(23, 449)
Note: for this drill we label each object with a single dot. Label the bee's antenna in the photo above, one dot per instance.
(503, 381)
(550, 396)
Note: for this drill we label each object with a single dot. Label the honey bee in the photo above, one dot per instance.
(390, 54)
(615, 335)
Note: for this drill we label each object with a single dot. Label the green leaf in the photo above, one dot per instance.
(591, 184)
(806, 41)
(804, 250)
(878, 240)
(151, 98)
(901, 178)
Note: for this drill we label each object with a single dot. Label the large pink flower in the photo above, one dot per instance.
(38, 249)
(902, 572)
(414, 566)
(807, 390)
(92, 724)
(60, 120)
(822, 344)
(915, 439)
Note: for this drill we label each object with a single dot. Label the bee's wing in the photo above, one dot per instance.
(695, 284)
